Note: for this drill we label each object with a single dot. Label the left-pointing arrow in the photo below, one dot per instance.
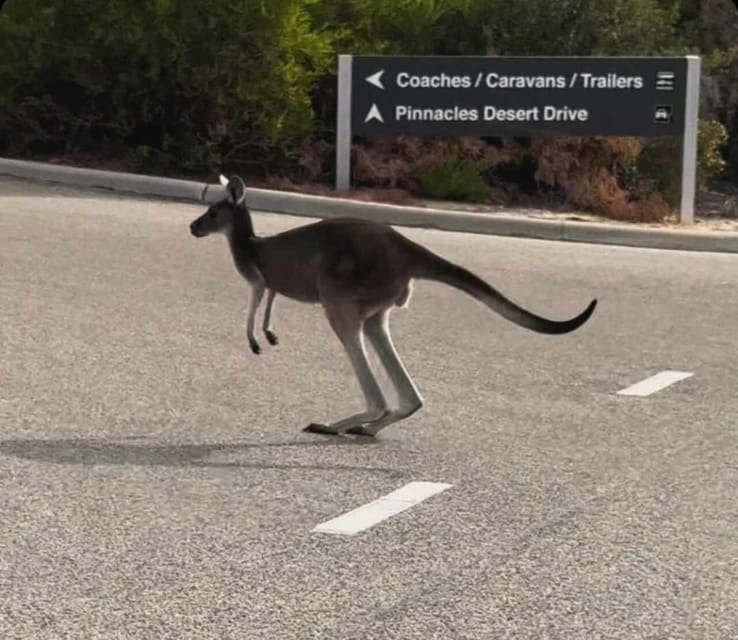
(374, 114)
(376, 79)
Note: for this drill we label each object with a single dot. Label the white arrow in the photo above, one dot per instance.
(374, 114)
(376, 79)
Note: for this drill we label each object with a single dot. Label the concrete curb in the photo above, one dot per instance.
(324, 207)
(94, 178)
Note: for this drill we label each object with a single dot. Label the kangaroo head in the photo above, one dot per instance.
(220, 217)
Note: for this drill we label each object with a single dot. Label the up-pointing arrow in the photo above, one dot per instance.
(374, 114)
(376, 79)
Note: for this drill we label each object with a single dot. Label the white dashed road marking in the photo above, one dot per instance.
(654, 383)
(374, 512)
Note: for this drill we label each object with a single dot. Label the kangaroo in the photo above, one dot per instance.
(358, 271)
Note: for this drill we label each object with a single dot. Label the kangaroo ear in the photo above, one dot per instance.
(237, 190)
(223, 180)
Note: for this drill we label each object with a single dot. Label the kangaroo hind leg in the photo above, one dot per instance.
(347, 322)
(410, 400)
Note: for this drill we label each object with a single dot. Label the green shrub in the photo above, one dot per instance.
(571, 27)
(243, 83)
(453, 179)
(521, 27)
(712, 136)
(185, 82)
(397, 26)
(660, 161)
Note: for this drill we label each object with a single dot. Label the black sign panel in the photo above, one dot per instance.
(501, 96)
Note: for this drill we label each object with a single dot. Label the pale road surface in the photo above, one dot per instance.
(155, 484)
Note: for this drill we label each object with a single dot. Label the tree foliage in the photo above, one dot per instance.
(201, 84)
(192, 82)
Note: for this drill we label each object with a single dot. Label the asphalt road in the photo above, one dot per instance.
(155, 482)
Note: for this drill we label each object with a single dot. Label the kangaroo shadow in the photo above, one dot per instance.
(92, 452)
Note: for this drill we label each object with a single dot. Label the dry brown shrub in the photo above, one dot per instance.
(314, 156)
(395, 162)
(585, 168)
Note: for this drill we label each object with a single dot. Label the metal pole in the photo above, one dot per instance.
(343, 124)
(689, 141)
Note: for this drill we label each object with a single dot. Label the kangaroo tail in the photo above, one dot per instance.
(430, 266)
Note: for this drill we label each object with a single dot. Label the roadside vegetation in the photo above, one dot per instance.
(185, 87)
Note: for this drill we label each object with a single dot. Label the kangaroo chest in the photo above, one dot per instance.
(250, 272)
(245, 260)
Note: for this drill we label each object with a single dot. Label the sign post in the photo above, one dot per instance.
(343, 128)
(519, 97)
(689, 141)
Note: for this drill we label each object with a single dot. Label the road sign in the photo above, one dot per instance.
(501, 96)
(516, 96)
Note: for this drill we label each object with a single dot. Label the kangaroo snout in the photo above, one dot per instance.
(195, 228)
